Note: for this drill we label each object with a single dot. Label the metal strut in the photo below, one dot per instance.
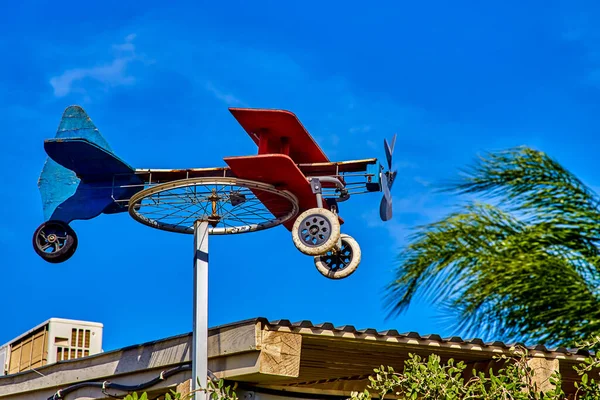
(317, 189)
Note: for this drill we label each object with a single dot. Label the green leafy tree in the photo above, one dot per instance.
(432, 379)
(518, 262)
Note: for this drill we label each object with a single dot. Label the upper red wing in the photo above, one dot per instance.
(279, 131)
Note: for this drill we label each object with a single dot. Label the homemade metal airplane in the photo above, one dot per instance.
(290, 182)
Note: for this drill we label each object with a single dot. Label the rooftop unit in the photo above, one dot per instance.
(54, 340)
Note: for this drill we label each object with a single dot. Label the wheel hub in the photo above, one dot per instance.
(214, 218)
(315, 230)
(54, 241)
(339, 259)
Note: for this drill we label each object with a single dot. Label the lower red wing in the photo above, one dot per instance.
(278, 170)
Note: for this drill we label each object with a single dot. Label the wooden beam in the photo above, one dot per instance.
(337, 388)
(280, 354)
(234, 340)
(242, 367)
(184, 388)
(543, 370)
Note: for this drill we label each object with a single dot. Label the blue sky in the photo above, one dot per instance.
(451, 79)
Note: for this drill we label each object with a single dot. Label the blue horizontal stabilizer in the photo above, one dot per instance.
(89, 161)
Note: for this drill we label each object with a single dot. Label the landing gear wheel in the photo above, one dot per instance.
(54, 241)
(316, 231)
(340, 264)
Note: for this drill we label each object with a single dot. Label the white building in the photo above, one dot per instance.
(54, 340)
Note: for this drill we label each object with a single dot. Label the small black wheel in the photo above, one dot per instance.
(339, 264)
(55, 241)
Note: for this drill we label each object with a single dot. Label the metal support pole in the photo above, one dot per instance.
(200, 331)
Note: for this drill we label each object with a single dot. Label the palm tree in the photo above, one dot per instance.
(523, 266)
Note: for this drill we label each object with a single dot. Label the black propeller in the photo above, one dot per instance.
(387, 180)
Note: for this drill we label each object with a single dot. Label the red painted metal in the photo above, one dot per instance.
(279, 131)
(278, 170)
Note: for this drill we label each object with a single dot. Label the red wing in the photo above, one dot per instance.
(279, 131)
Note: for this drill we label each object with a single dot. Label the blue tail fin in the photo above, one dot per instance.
(57, 183)
(75, 123)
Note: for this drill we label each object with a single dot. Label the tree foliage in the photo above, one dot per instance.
(520, 261)
(432, 379)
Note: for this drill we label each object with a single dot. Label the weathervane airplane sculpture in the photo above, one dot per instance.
(290, 182)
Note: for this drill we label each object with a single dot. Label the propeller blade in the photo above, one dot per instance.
(385, 207)
(385, 185)
(389, 150)
(388, 153)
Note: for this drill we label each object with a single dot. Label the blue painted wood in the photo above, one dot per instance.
(92, 199)
(88, 160)
(75, 123)
(80, 149)
(56, 185)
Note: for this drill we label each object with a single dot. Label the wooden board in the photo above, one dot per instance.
(279, 131)
(278, 170)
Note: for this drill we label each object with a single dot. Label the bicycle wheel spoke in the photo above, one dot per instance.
(229, 204)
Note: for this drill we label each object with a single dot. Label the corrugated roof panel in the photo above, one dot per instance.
(393, 333)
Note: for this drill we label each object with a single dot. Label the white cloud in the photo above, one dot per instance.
(226, 98)
(110, 74)
(421, 181)
(395, 229)
(128, 46)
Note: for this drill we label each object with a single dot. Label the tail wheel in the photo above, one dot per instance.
(55, 241)
(316, 231)
(339, 264)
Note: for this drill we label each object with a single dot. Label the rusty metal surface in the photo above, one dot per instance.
(150, 175)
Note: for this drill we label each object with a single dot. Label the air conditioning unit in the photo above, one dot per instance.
(55, 340)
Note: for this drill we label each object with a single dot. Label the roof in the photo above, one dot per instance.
(300, 357)
(392, 334)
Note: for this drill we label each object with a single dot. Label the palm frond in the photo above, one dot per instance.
(524, 269)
